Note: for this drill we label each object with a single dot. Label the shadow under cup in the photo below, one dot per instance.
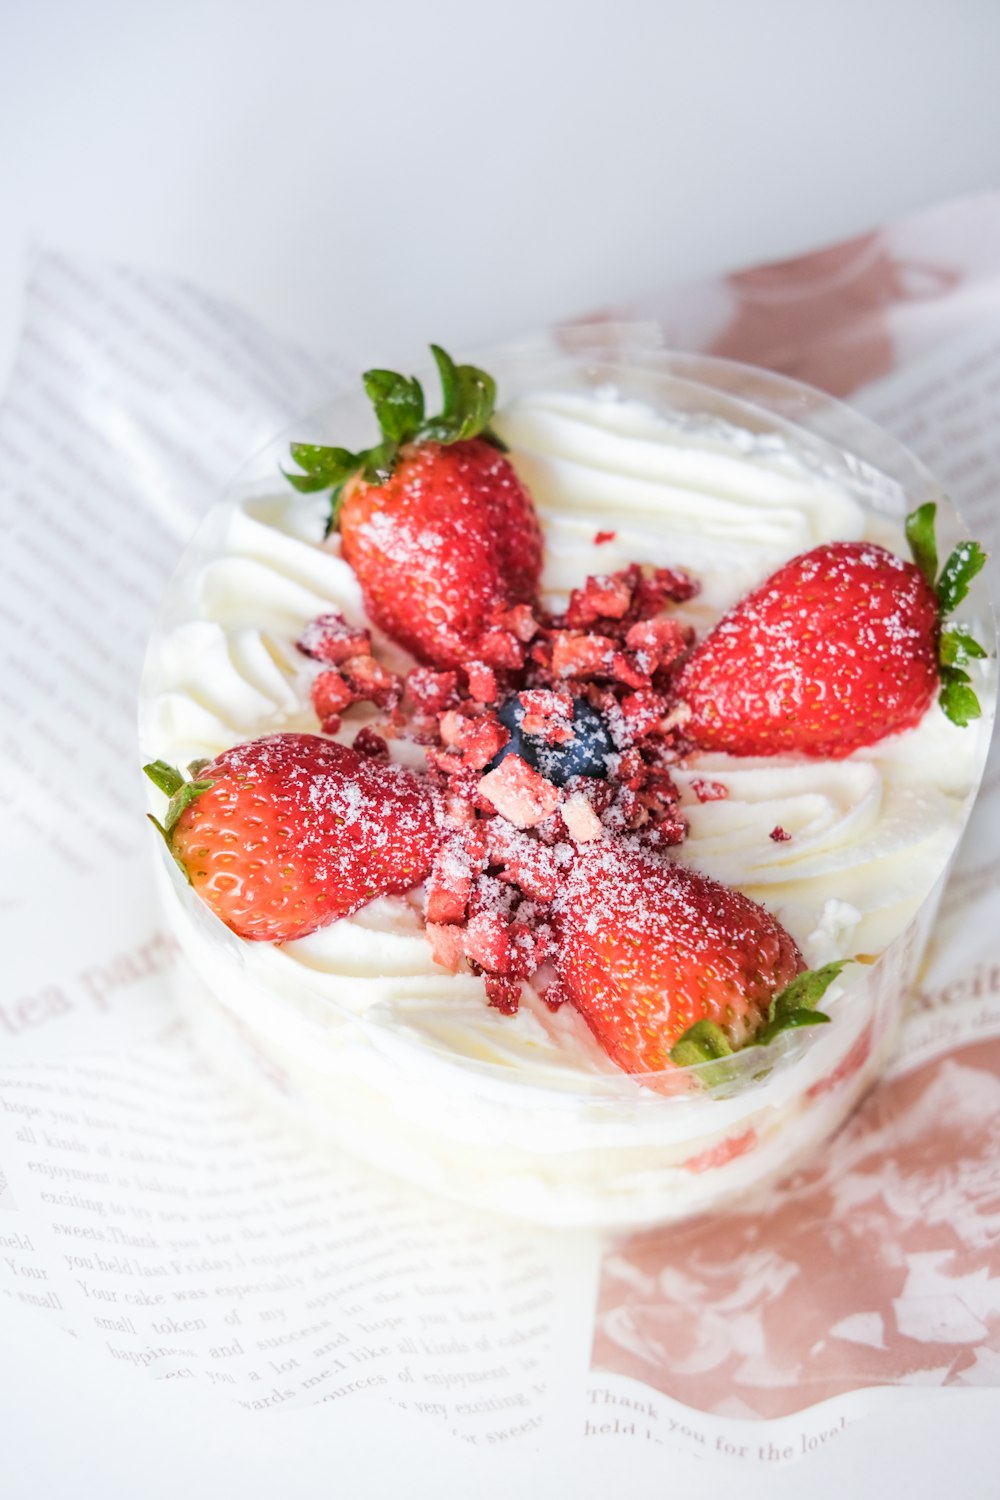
(571, 1148)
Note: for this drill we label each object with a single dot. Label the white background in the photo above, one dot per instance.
(370, 176)
(373, 174)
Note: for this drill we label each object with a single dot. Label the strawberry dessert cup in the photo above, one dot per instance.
(561, 793)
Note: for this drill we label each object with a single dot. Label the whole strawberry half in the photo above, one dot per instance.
(284, 834)
(434, 520)
(667, 966)
(837, 649)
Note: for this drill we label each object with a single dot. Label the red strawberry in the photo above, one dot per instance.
(286, 833)
(649, 949)
(434, 520)
(837, 649)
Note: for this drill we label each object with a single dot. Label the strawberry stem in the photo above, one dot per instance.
(181, 793)
(468, 398)
(956, 647)
(957, 574)
(790, 1008)
(923, 542)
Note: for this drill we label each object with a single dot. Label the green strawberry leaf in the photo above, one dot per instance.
(796, 1004)
(789, 1020)
(325, 468)
(163, 834)
(703, 1042)
(181, 793)
(167, 778)
(377, 463)
(398, 403)
(957, 574)
(807, 989)
(958, 647)
(183, 799)
(448, 375)
(923, 543)
(791, 1008)
(336, 504)
(330, 464)
(957, 698)
(306, 484)
(468, 398)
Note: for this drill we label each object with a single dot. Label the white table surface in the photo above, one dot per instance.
(368, 178)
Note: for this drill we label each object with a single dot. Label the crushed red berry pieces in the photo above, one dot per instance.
(368, 679)
(367, 742)
(449, 885)
(576, 655)
(518, 793)
(554, 733)
(600, 537)
(447, 942)
(708, 791)
(483, 684)
(779, 835)
(332, 639)
(500, 649)
(330, 696)
(519, 619)
(431, 692)
(603, 597)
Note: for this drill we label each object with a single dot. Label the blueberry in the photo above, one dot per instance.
(586, 754)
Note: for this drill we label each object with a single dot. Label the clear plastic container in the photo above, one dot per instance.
(559, 1146)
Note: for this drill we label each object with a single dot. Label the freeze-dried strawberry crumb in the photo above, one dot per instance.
(481, 740)
(582, 822)
(546, 703)
(451, 727)
(332, 639)
(603, 597)
(487, 941)
(501, 649)
(524, 861)
(518, 793)
(458, 811)
(483, 686)
(657, 644)
(554, 994)
(779, 835)
(600, 537)
(548, 715)
(330, 696)
(432, 692)
(708, 791)
(503, 994)
(449, 885)
(367, 678)
(626, 668)
(367, 742)
(581, 655)
(519, 619)
(662, 586)
(643, 712)
(447, 944)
